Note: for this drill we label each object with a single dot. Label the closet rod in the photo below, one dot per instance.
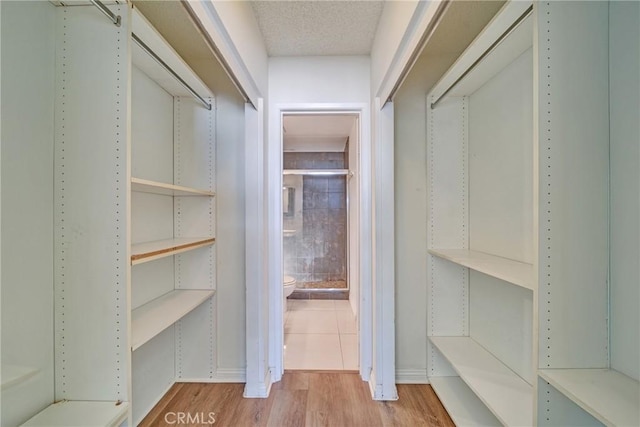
(116, 19)
(152, 54)
(491, 48)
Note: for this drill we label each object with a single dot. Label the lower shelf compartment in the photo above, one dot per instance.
(463, 406)
(609, 396)
(505, 394)
(72, 413)
(150, 319)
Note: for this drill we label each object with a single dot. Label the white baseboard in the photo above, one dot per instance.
(223, 375)
(412, 376)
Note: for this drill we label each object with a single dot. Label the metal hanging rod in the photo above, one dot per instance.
(116, 19)
(164, 65)
(491, 48)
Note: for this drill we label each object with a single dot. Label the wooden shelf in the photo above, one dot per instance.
(608, 395)
(69, 413)
(153, 187)
(464, 407)
(506, 395)
(150, 319)
(149, 251)
(515, 272)
(14, 374)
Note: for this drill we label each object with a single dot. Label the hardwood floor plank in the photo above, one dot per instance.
(289, 408)
(293, 380)
(416, 405)
(311, 399)
(341, 400)
(159, 409)
(250, 413)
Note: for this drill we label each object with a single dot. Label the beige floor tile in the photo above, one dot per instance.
(312, 351)
(349, 347)
(311, 322)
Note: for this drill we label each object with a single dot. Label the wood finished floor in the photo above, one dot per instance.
(302, 399)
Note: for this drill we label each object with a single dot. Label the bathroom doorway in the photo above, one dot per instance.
(320, 286)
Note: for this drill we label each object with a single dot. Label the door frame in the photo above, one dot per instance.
(275, 239)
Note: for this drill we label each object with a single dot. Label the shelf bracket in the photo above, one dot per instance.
(116, 19)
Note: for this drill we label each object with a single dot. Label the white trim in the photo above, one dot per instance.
(412, 376)
(384, 363)
(211, 23)
(257, 304)
(274, 227)
(410, 43)
(222, 375)
(259, 390)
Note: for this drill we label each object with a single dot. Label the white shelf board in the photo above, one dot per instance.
(145, 31)
(506, 395)
(70, 413)
(149, 251)
(153, 187)
(464, 407)
(14, 374)
(150, 319)
(515, 272)
(609, 396)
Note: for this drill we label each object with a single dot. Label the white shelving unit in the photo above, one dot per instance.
(526, 151)
(518, 273)
(151, 251)
(172, 200)
(607, 395)
(157, 315)
(80, 414)
(107, 249)
(504, 393)
(481, 265)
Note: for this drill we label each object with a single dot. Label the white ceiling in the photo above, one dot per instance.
(318, 27)
(317, 133)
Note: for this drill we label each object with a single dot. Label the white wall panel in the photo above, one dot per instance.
(28, 55)
(573, 173)
(151, 129)
(196, 344)
(310, 79)
(624, 36)
(500, 163)
(447, 177)
(559, 410)
(91, 205)
(153, 367)
(500, 317)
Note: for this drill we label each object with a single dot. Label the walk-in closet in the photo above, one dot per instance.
(109, 216)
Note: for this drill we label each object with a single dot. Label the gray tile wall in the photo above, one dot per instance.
(319, 252)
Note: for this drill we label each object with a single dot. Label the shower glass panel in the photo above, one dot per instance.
(315, 228)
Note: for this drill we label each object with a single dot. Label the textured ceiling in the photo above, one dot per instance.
(318, 27)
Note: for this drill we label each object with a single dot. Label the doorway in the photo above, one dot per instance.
(320, 308)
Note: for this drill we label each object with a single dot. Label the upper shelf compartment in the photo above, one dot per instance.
(165, 57)
(505, 38)
(153, 187)
(515, 272)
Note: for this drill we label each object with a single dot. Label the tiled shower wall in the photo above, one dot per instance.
(319, 252)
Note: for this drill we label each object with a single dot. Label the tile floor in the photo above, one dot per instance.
(320, 335)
